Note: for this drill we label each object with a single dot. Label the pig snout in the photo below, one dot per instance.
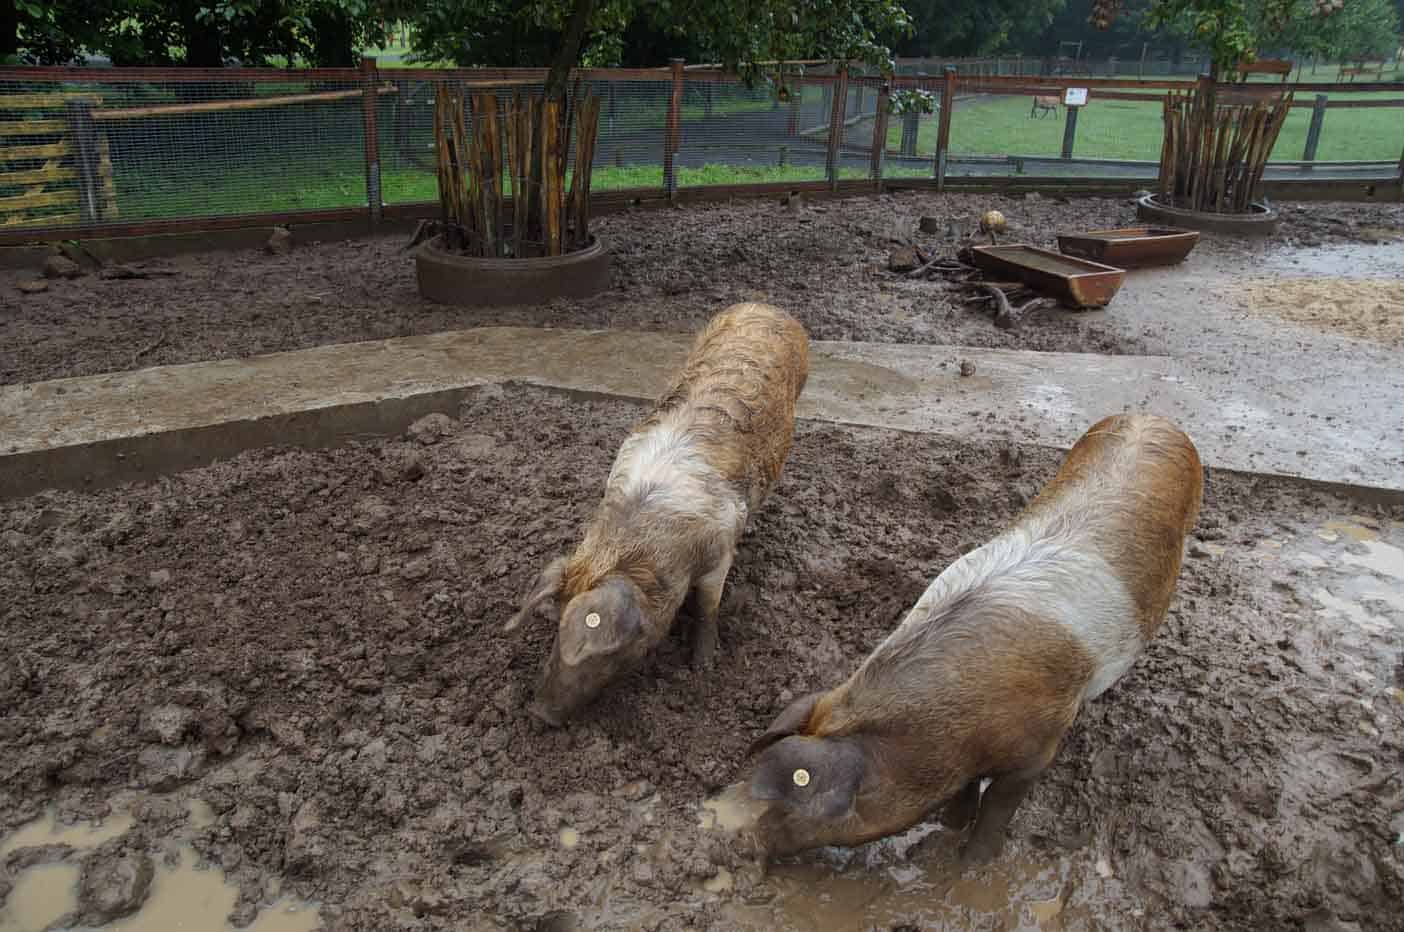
(810, 792)
(601, 635)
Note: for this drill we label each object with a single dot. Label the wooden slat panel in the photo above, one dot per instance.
(53, 220)
(47, 151)
(49, 174)
(30, 127)
(39, 199)
(45, 101)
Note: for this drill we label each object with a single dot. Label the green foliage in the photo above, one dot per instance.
(913, 100)
(1362, 29)
(198, 32)
(1232, 31)
(740, 34)
(975, 27)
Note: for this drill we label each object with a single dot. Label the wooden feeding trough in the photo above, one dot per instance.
(1075, 282)
(1130, 247)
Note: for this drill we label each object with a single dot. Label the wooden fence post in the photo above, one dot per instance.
(836, 120)
(79, 115)
(369, 81)
(880, 136)
(943, 126)
(1318, 115)
(673, 131)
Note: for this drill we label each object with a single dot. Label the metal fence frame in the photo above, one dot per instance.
(839, 87)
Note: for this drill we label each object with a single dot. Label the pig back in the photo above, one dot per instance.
(1134, 483)
(737, 391)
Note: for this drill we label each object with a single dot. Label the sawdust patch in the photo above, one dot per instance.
(1363, 308)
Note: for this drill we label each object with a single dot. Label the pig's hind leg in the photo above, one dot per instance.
(709, 595)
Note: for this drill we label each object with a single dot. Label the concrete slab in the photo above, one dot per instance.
(125, 426)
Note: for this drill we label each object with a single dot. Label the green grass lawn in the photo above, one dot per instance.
(1127, 129)
(187, 192)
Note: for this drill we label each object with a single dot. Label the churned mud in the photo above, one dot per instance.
(290, 666)
(825, 262)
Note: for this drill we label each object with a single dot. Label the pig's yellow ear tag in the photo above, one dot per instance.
(592, 620)
(801, 777)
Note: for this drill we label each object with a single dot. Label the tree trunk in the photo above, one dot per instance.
(9, 29)
(204, 47)
(569, 52)
(332, 45)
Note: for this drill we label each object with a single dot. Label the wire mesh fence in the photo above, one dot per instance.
(83, 149)
(88, 153)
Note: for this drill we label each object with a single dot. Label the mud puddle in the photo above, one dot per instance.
(116, 890)
(910, 880)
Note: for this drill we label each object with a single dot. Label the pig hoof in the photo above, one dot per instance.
(980, 851)
(545, 716)
(704, 645)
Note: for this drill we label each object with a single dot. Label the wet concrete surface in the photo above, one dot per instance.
(132, 424)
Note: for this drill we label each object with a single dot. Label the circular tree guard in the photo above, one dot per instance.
(472, 281)
(1261, 220)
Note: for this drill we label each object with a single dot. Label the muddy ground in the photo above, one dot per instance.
(309, 642)
(825, 263)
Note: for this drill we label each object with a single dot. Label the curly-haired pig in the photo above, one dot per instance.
(682, 487)
(986, 673)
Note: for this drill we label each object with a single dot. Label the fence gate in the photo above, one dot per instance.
(55, 169)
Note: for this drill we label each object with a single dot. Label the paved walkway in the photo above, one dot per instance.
(111, 428)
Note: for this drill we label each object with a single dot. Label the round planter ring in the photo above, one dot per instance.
(471, 281)
(1261, 221)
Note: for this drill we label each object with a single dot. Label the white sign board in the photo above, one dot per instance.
(1075, 97)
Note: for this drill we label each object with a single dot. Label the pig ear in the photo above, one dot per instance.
(789, 722)
(543, 593)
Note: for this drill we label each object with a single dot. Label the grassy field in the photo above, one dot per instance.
(182, 192)
(1125, 129)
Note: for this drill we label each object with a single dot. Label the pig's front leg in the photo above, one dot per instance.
(709, 595)
(1003, 796)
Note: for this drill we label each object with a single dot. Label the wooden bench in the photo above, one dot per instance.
(1278, 66)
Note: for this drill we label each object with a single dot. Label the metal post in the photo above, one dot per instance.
(879, 137)
(369, 82)
(1070, 131)
(943, 126)
(911, 129)
(80, 126)
(836, 118)
(673, 131)
(1318, 115)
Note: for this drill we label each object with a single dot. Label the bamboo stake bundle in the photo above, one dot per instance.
(523, 143)
(1213, 155)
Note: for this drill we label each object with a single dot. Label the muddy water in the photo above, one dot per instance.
(48, 831)
(892, 883)
(41, 896)
(186, 898)
(182, 896)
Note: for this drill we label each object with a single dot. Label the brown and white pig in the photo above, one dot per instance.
(678, 498)
(986, 673)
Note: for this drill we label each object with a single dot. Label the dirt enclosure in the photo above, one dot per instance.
(825, 262)
(294, 660)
